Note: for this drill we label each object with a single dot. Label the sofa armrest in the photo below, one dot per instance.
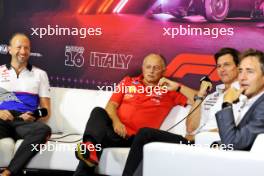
(175, 159)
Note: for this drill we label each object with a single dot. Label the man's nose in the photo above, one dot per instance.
(152, 69)
(242, 76)
(23, 50)
(222, 69)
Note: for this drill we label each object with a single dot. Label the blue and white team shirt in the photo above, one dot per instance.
(212, 104)
(22, 92)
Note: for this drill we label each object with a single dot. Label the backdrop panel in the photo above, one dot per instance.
(90, 43)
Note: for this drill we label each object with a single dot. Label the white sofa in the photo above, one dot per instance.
(174, 159)
(70, 112)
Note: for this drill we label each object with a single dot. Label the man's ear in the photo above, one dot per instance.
(9, 50)
(164, 71)
(263, 78)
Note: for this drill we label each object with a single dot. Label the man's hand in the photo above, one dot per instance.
(171, 85)
(232, 94)
(27, 116)
(6, 115)
(119, 128)
(204, 87)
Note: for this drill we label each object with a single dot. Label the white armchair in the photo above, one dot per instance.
(175, 159)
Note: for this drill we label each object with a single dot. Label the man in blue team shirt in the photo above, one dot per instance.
(23, 88)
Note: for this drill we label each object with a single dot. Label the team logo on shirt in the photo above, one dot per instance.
(132, 89)
(7, 96)
(135, 82)
(4, 76)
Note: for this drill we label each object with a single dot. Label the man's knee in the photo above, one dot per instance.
(4, 129)
(144, 136)
(98, 110)
(98, 113)
(145, 132)
(42, 128)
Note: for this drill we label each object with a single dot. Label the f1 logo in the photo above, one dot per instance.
(186, 63)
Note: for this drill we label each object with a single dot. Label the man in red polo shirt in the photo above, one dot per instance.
(137, 102)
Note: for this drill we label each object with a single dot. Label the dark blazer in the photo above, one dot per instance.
(242, 136)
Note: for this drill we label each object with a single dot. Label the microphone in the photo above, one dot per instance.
(4, 50)
(207, 79)
(42, 112)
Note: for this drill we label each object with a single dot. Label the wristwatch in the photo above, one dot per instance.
(196, 97)
(226, 105)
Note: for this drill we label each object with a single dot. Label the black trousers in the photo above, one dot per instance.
(144, 136)
(33, 133)
(99, 130)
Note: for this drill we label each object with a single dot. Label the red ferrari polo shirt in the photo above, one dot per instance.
(143, 106)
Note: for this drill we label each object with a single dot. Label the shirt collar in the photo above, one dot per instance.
(29, 66)
(251, 100)
(139, 78)
(221, 87)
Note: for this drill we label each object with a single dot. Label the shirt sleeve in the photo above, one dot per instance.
(44, 87)
(119, 90)
(180, 99)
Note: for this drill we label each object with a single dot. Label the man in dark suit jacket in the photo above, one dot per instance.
(242, 134)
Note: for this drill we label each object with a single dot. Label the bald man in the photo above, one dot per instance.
(23, 88)
(137, 102)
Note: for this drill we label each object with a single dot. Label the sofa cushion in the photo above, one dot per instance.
(176, 115)
(55, 155)
(60, 156)
(7, 146)
(184, 160)
(71, 108)
(205, 139)
(258, 145)
(113, 161)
